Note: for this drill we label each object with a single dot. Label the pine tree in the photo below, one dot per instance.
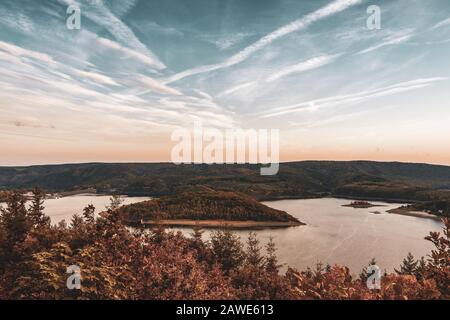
(14, 218)
(253, 253)
(89, 214)
(76, 221)
(409, 265)
(227, 249)
(14, 225)
(197, 234)
(421, 269)
(271, 258)
(159, 229)
(202, 250)
(36, 209)
(115, 202)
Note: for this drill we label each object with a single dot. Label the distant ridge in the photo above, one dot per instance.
(394, 180)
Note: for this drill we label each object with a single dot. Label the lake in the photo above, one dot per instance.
(334, 234)
(64, 208)
(343, 235)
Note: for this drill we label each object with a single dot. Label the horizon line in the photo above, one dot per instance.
(217, 164)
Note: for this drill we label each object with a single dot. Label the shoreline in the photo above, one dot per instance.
(387, 200)
(94, 192)
(226, 224)
(416, 214)
(338, 196)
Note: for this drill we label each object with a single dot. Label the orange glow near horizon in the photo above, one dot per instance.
(19, 151)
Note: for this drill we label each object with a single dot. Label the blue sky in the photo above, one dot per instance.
(136, 70)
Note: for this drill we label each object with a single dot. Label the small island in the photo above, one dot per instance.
(203, 206)
(361, 204)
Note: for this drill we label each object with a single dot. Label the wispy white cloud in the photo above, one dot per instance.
(156, 28)
(17, 21)
(333, 8)
(359, 97)
(181, 112)
(14, 55)
(19, 51)
(441, 24)
(250, 88)
(203, 94)
(100, 14)
(304, 66)
(74, 89)
(230, 40)
(122, 7)
(157, 86)
(96, 77)
(396, 38)
(121, 31)
(128, 52)
(10, 58)
(237, 88)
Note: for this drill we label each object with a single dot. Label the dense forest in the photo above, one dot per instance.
(116, 263)
(385, 180)
(203, 203)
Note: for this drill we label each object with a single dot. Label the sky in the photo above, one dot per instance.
(136, 70)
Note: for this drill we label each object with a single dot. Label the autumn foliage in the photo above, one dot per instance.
(203, 203)
(119, 263)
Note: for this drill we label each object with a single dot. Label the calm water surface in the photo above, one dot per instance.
(64, 208)
(347, 236)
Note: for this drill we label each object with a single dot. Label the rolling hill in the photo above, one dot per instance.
(203, 203)
(388, 180)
